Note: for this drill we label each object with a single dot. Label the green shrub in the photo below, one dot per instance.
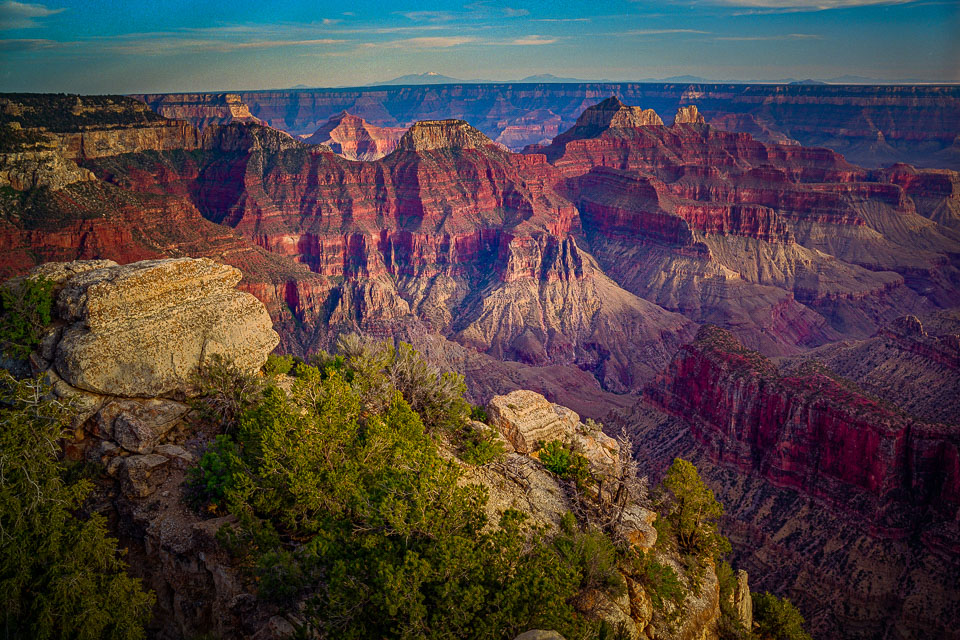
(225, 391)
(691, 512)
(209, 483)
(480, 447)
(659, 580)
(777, 618)
(436, 397)
(277, 365)
(567, 464)
(25, 309)
(479, 414)
(593, 554)
(60, 575)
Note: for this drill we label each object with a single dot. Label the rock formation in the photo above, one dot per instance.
(143, 330)
(433, 135)
(356, 139)
(526, 419)
(688, 115)
(132, 337)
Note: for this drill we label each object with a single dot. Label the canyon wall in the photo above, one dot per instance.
(870, 125)
(834, 497)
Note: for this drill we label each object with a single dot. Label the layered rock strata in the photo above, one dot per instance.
(356, 139)
(871, 125)
(810, 430)
(144, 329)
(827, 489)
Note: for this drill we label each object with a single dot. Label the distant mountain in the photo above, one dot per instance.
(808, 81)
(684, 79)
(425, 78)
(549, 77)
(848, 79)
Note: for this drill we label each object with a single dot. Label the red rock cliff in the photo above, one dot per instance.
(812, 431)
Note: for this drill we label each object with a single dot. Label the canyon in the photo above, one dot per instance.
(771, 310)
(871, 125)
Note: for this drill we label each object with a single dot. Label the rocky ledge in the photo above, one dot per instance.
(431, 135)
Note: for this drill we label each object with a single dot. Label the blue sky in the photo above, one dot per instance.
(105, 46)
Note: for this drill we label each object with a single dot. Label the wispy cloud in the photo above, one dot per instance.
(529, 41)
(446, 42)
(789, 6)
(658, 32)
(167, 45)
(559, 19)
(425, 42)
(29, 44)
(784, 36)
(515, 13)
(23, 15)
(427, 16)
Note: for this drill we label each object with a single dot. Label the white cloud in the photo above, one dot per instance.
(785, 36)
(22, 15)
(425, 42)
(775, 6)
(657, 32)
(515, 13)
(529, 40)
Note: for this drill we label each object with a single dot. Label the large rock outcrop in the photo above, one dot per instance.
(356, 139)
(124, 339)
(144, 329)
(688, 115)
(524, 419)
(527, 419)
(432, 135)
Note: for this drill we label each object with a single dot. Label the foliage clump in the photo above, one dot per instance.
(61, 576)
(566, 463)
(480, 446)
(278, 365)
(593, 553)
(345, 508)
(25, 309)
(479, 414)
(659, 580)
(691, 513)
(777, 618)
